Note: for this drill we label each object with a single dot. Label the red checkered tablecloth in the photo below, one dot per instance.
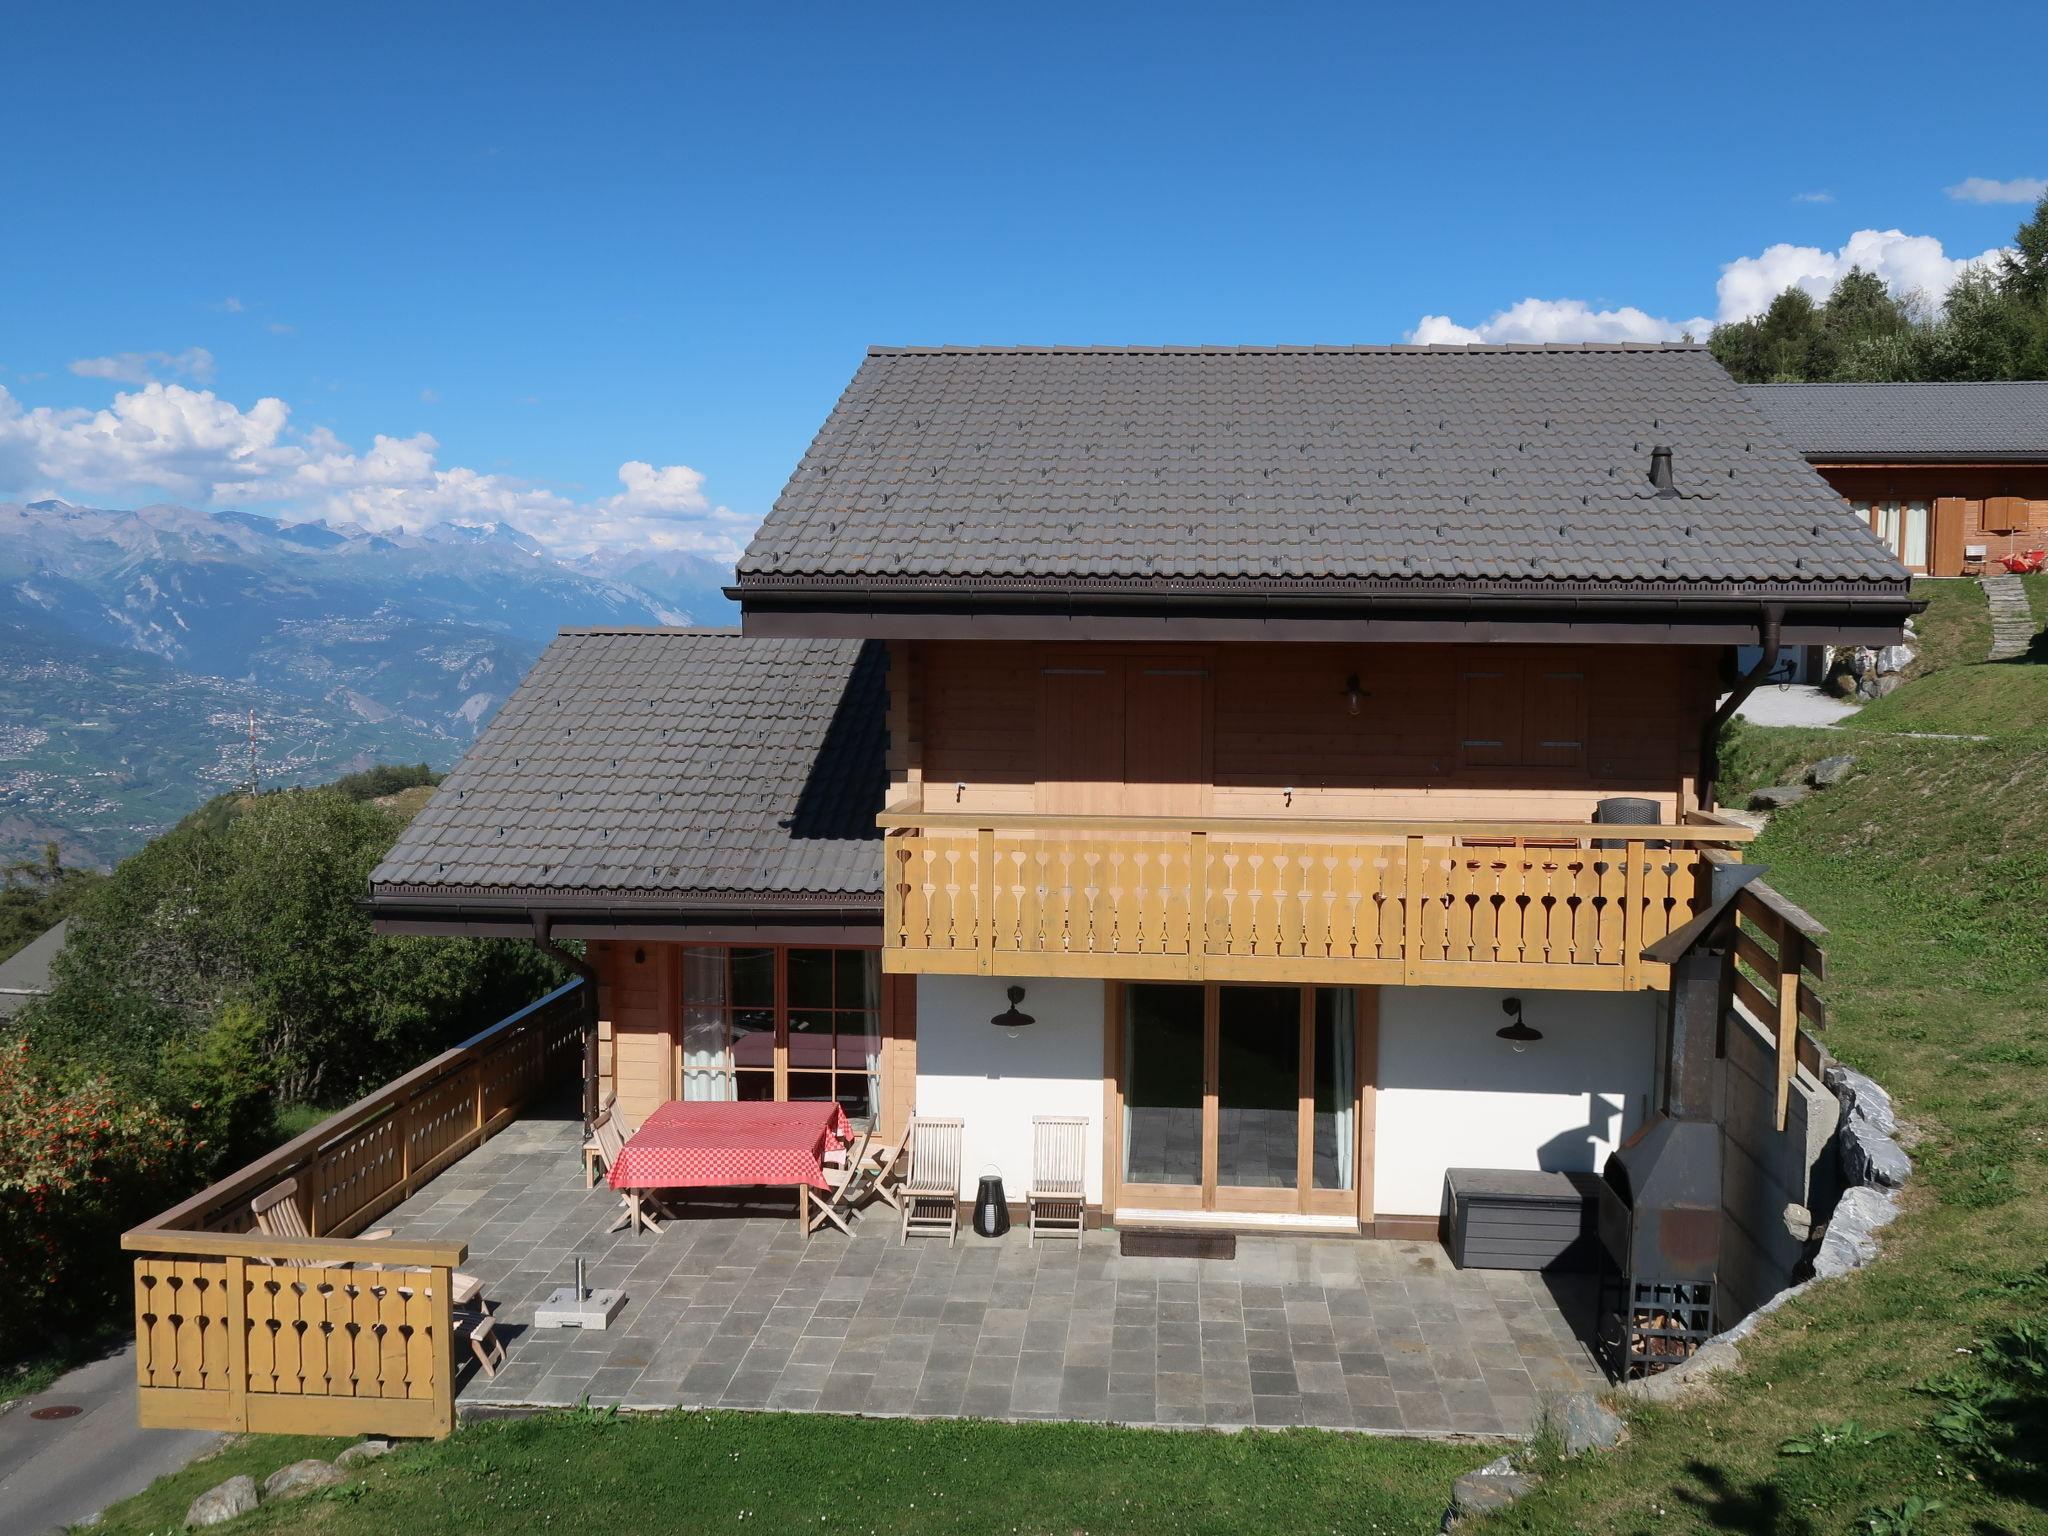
(700, 1144)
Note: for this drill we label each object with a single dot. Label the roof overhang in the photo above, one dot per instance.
(1464, 611)
(686, 917)
(1894, 459)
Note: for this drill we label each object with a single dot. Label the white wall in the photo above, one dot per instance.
(997, 1079)
(1453, 1096)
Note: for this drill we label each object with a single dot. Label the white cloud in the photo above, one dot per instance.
(1813, 197)
(1981, 189)
(430, 397)
(1556, 320)
(191, 445)
(1909, 264)
(194, 363)
(278, 328)
(230, 305)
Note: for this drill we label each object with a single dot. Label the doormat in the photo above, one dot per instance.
(1153, 1243)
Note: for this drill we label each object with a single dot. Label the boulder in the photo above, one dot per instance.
(1871, 1157)
(362, 1451)
(1858, 661)
(1777, 797)
(1895, 658)
(1861, 1098)
(1830, 771)
(1481, 1492)
(1851, 1241)
(222, 1502)
(302, 1477)
(1584, 1423)
(1888, 683)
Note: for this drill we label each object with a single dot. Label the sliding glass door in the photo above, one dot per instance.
(1239, 1098)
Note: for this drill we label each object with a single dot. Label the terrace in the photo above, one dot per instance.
(473, 1160)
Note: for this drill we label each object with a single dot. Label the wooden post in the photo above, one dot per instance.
(985, 896)
(1632, 917)
(1790, 947)
(1198, 904)
(238, 1341)
(442, 1280)
(1411, 916)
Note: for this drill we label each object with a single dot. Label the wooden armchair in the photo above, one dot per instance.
(1058, 1195)
(931, 1189)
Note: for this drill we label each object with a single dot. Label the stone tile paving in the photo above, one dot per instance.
(734, 1310)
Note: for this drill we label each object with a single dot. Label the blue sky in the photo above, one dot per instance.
(560, 240)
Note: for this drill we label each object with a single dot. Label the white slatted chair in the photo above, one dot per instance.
(889, 1160)
(931, 1189)
(1058, 1197)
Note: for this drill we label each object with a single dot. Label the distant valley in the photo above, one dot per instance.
(135, 644)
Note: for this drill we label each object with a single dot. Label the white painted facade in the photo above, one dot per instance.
(997, 1079)
(1452, 1095)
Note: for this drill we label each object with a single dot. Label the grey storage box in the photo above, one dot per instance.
(1501, 1218)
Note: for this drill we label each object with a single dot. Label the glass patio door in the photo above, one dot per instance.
(1239, 1098)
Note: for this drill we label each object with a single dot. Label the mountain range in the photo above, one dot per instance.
(134, 645)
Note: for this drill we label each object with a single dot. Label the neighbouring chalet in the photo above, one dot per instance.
(1952, 477)
(1251, 750)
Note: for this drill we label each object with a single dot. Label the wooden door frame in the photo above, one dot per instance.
(1302, 1200)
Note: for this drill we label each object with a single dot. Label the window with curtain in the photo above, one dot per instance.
(768, 1023)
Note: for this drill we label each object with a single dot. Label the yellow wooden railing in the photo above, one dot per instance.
(330, 1333)
(1527, 904)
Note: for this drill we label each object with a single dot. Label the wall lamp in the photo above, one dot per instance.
(1354, 694)
(1518, 1034)
(1013, 1017)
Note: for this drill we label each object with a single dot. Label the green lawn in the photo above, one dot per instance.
(1956, 628)
(1968, 695)
(688, 1472)
(1930, 866)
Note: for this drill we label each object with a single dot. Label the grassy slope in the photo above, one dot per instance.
(689, 1472)
(1930, 866)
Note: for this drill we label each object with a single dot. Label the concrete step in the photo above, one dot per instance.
(2012, 617)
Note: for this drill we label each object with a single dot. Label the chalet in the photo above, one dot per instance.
(1296, 762)
(1952, 477)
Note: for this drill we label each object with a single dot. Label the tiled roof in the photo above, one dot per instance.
(1987, 421)
(1403, 465)
(658, 764)
(25, 974)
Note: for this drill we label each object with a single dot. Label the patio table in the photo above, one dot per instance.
(716, 1144)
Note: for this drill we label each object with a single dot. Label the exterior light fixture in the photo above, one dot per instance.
(1013, 1017)
(1518, 1034)
(1354, 694)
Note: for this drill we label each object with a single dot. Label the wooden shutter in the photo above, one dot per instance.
(1081, 739)
(1945, 538)
(2004, 514)
(1490, 715)
(1166, 762)
(1555, 719)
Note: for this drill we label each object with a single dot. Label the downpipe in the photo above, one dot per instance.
(1768, 632)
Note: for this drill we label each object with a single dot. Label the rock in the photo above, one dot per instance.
(1479, 1493)
(362, 1451)
(1584, 1423)
(222, 1502)
(1861, 1098)
(1858, 661)
(1871, 1157)
(1798, 1222)
(1889, 683)
(302, 1477)
(1895, 658)
(1830, 771)
(1851, 1242)
(1777, 797)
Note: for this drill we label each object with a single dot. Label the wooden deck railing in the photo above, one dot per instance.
(1776, 950)
(1528, 904)
(329, 1333)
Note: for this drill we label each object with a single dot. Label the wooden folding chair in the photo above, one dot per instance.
(592, 1152)
(889, 1160)
(850, 1184)
(609, 1132)
(1058, 1197)
(277, 1214)
(931, 1189)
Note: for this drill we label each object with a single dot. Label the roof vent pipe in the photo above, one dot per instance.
(1660, 471)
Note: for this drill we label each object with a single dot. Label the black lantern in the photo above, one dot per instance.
(1354, 694)
(1013, 1017)
(1518, 1034)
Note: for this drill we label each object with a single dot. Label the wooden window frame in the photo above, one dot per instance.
(780, 1011)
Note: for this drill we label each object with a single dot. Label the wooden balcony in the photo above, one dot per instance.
(1522, 904)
